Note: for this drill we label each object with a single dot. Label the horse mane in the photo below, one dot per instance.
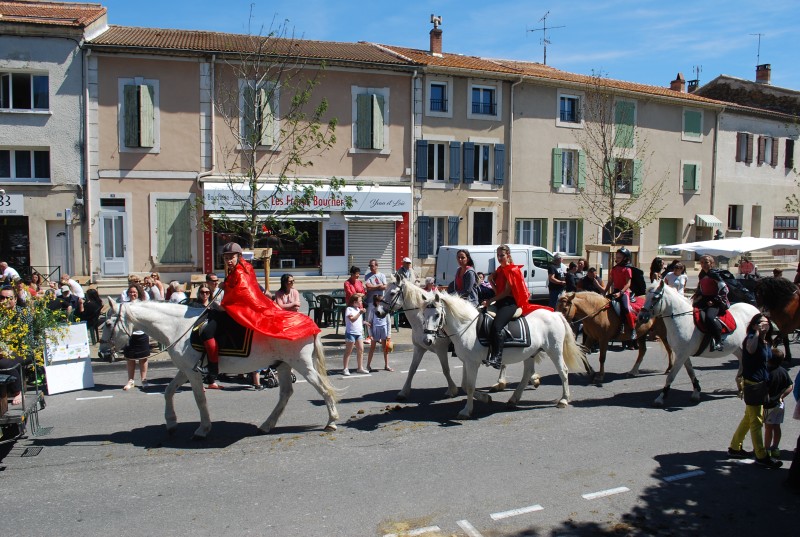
(774, 293)
(414, 296)
(457, 307)
(668, 289)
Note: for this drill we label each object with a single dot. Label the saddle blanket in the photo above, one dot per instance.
(726, 321)
(233, 339)
(517, 331)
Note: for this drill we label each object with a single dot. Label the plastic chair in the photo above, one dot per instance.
(326, 310)
(313, 304)
(338, 294)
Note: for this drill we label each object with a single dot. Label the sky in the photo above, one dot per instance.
(642, 41)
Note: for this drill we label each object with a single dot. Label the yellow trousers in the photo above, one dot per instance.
(752, 421)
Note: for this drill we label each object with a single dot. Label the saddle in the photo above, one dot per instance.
(517, 331)
(725, 321)
(636, 306)
(233, 339)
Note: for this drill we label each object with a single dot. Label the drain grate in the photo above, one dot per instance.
(43, 431)
(31, 451)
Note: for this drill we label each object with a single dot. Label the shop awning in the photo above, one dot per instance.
(707, 220)
(373, 217)
(297, 217)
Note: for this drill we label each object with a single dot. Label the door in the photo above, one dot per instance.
(113, 249)
(482, 228)
(56, 246)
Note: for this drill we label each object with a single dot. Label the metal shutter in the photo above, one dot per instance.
(368, 240)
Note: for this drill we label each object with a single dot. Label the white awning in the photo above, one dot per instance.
(298, 217)
(707, 220)
(373, 217)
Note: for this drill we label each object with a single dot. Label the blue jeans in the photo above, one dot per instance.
(554, 292)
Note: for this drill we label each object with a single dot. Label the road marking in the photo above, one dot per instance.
(418, 371)
(98, 397)
(457, 366)
(300, 381)
(420, 531)
(469, 528)
(603, 493)
(516, 512)
(684, 475)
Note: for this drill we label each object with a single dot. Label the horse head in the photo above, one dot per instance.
(433, 319)
(393, 298)
(653, 303)
(564, 304)
(115, 333)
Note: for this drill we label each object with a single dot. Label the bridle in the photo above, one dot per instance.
(392, 305)
(438, 332)
(588, 315)
(110, 341)
(656, 298)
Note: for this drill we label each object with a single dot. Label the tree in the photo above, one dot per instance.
(616, 189)
(274, 127)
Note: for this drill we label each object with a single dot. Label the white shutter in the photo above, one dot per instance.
(368, 240)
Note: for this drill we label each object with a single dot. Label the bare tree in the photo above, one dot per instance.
(274, 128)
(616, 189)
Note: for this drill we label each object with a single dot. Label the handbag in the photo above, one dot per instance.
(756, 393)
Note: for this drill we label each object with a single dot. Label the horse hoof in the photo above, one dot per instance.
(562, 404)
(171, 431)
(451, 393)
(536, 382)
(462, 416)
(497, 388)
(511, 404)
(198, 438)
(401, 397)
(658, 404)
(330, 427)
(696, 398)
(261, 432)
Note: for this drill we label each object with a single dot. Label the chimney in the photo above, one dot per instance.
(436, 36)
(763, 73)
(679, 84)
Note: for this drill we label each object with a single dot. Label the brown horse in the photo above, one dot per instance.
(781, 299)
(601, 324)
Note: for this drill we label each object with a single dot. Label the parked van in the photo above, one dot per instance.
(534, 261)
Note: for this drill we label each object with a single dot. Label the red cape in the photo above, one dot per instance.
(248, 306)
(519, 289)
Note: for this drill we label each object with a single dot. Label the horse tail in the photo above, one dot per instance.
(574, 357)
(322, 369)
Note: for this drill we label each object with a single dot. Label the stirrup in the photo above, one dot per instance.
(198, 367)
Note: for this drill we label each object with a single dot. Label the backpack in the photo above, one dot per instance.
(638, 283)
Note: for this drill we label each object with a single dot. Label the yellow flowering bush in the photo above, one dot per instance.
(22, 329)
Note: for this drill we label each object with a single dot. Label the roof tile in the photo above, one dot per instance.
(50, 13)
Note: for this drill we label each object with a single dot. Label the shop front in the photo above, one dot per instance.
(333, 232)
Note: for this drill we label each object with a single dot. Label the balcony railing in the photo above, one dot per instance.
(438, 105)
(490, 109)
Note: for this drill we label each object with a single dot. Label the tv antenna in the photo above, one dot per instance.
(544, 41)
(758, 55)
(697, 70)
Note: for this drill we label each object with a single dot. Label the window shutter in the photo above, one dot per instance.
(377, 121)
(609, 176)
(543, 238)
(248, 133)
(579, 239)
(762, 146)
(147, 116)
(581, 169)
(499, 163)
(266, 123)
(452, 229)
(469, 162)
(740, 141)
(422, 161)
(749, 141)
(636, 187)
(623, 116)
(689, 177)
(363, 121)
(789, 157)
(174, 231)
(692, 120)
(455, 162)
(423, 229)
(557, 165)
(131, 115)
(774, 160)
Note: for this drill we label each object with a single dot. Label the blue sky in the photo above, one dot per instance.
(634, 40)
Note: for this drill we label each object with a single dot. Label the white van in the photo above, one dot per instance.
(534, 261)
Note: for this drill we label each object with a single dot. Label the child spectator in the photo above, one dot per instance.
(353, 332)
(571, 278)
(380, 334)
(677, 278)
(780, 385)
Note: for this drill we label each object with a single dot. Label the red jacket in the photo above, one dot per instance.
(511, 274)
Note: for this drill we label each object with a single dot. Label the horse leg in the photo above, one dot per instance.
(313, 378)
(501, 383)
(695, 383)
(415, 360)
(169, 395)
(670, 355)
(444, 361)
(598, 377)
(468, 381)
(286, 390)
(634, 372)
(527, 372)
(563, 373)
(196, 380)
(659, 402)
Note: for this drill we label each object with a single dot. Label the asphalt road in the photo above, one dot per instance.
(609, 464)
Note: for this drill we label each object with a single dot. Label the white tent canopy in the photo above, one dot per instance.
(734, 247)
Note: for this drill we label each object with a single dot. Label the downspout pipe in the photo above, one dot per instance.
(714, 163)
(212, 99)
(87, 197)
(507, 211)
(414, 200)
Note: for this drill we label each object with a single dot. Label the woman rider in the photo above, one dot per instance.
(511, 293)
(465, 283)
(712, 297)
(619, 285)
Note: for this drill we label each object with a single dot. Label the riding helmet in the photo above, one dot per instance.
(625, 253)
(232, 248)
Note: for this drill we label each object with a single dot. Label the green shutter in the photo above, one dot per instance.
(378, 119)
(609, 175)
(363, 121)
(147, 116)
(579, 239)
(689, 177)
(692, 122)
(557, 165)
(249, 136)
(266, 122)
(131, 115)
(174, 231)
(544, 234)
(636, 187)
(581, 169)
(623, 119)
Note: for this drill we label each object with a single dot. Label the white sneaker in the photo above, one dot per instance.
(346, 372)
(362, 371)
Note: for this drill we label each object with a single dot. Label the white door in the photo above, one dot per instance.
(112, 243)
(56, 246)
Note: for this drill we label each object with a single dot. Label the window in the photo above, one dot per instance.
(569, 168)
(438, 97)
(530, 231)
(623, 176)
(24, 91)
(139, 115)
(484, 101)
(789, 157)
(436, 161)
(565, 236)
(735, 216)
(690, 176)
(768, 150)
(744, 147)
(692, 125)
(370, 119)
(432, 161)
(569, 109)
(174, 229)
(258, 107)
(435, 231)
(624, 122)
(25, 165)
(480, 163)
(785, 227)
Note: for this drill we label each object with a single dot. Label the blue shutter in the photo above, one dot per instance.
(499, 163)
(469, 162)
(422, 160)
(423, 229)
(455, 162)
(452, 229)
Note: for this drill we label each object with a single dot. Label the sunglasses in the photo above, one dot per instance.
(204, 292)
(4, 298)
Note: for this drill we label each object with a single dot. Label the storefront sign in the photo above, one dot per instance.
(372, 199)
(12, 204)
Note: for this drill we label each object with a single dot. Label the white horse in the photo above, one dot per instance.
(456, 318)
(682, 335)
(171, 324)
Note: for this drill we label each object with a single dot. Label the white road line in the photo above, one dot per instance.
(684, 475)
(457, 366)
(418, 371)
(300, 381)
(604, 493)
(98, 397)
(420, 531)
(469, 528)
(516, 512)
